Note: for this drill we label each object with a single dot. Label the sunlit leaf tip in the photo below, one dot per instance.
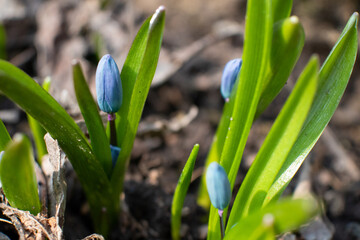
(159, 13)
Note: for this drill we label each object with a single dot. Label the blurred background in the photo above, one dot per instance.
(184, 104)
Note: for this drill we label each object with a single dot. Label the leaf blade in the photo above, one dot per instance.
(37, 130)
(4, 136)
(89, 110)
(3, 54)
(287, 214)
(281, 9)
(287, 43)
(335, 71)
(17, 174)
(180, 193)
(128, 75)
(138, 97)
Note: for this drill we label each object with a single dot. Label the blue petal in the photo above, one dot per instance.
(115, 151)
(230, 74)
(108, 85)
(218, 186)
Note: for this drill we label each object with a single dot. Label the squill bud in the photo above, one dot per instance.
(228, 79)
(108, 85)
(218, 186)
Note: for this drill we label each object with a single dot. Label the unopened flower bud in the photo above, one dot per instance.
(218, 186)
(108, 85)
(228, 79)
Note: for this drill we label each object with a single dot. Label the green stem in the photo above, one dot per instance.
(222, 228)
(111, 118)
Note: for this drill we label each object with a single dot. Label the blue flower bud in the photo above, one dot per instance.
(115, 151)
(228, 79)
(218, 186)
(108, 85)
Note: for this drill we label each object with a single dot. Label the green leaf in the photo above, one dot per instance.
(98, 45)
(2, 42)
(4, 136)
(17, 174)
(140, 77)
(287, 44)
(38, 133)
(333, 78)
(37, 130)
(257, 43)
(46, 84)
(281, 9)
(276, 146)
(263, 232)
(31, 97)
(90, 112)
(286, 215)
(180, 193)
(129, 74)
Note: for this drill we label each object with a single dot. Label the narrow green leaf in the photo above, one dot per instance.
(129, 74)
(276, 146)
(333, 78)
(287, 215)
(99, 46)
(257, 42)
(31, 97)
(38, 133)
(17, 174)
(141, 86)
(2, 42)
(90, 112)
(287, 44)
(37, 130)
(281, 9)
(263, 232)
(4, 136)
(180, 193)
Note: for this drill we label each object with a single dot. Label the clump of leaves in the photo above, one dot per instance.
(101, 177)
(272, 45)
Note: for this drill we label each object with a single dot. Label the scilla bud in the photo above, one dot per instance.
(218, 186)
(228, 79)
(108, 85)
